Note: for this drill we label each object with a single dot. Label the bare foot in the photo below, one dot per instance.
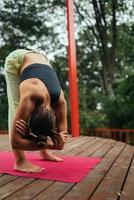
(48, 156)
(28, 167)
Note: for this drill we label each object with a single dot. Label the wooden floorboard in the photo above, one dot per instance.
(87, 187)
(112, 183)
(60, 188)
(30, 190)
(112, 179)
(127, 191)
(13, 186)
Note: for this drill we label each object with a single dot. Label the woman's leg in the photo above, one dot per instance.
(13, 82)
(49, 156)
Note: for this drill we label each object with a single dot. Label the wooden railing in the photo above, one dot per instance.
(124, 135)
(3, 132)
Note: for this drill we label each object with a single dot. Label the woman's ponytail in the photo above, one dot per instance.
(43, 125)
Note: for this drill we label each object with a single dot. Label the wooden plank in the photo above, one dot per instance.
(75, 145)
(54, 192)
(113, 181)
(4, 142)
(103, 150)
(4, 179)
(5, 148)
(30, 190)
(94, 148)
(85, 188)
(128, 189)
(82, 147)
(62, 188)
(109, 149)
(75, 141)
(3, 137)
(13, 186)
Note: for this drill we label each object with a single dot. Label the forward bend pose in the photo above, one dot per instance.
(37, 107)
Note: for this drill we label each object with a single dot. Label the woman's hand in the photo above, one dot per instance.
(22, 128)
(64, 136)
(63, 139)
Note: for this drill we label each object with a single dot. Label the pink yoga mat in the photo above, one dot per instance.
(71, 169)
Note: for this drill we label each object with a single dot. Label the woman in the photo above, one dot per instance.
(34, 96)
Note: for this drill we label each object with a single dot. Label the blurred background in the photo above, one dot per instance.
(104, 32)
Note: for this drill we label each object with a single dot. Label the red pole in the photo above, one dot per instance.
(72, 70)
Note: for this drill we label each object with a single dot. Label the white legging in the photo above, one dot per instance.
(13, 95)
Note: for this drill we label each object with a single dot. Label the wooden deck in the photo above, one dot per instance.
(112, 179)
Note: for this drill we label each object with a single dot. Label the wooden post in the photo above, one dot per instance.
(72, 70)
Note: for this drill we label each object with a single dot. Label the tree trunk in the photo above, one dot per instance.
(107, 55)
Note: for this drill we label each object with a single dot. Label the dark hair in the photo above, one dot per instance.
(42, 124)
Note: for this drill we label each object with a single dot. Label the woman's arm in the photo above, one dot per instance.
(61, 115)
(23, 112)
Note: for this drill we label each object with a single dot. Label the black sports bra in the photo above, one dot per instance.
(47, 75)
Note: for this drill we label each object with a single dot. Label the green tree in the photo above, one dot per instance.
(101, 24)
(3, 103)
(119, 107)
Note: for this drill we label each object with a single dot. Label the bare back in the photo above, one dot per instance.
(34, 86)
(31, 58)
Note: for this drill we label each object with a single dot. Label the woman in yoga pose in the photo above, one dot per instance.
(37, 107)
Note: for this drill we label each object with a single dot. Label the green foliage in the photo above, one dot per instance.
(3, 104)
(119, 107)
(23, 24)
(92, 119)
